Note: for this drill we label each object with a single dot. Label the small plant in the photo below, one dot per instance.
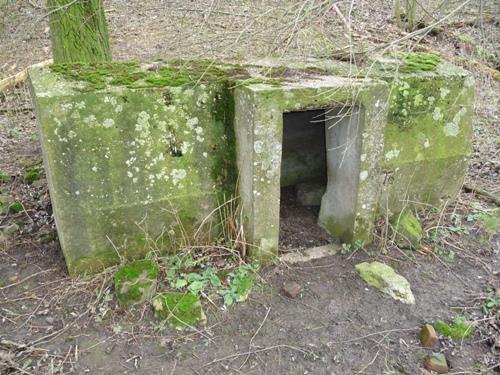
(4, 177)
(31, 175)
(240, 284)
(350, 247)
(16, 207)
(184, 273)
(446, 254)
(457, 329)
(491, 304)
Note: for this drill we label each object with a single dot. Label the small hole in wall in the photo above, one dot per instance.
(167, 98)
(175, 150)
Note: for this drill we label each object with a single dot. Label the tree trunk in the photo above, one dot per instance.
(78, 31)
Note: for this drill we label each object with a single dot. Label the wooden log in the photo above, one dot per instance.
(9, 82)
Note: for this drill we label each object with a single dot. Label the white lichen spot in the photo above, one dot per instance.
(77, 192)
(363, 157)
(258, 146)
(118, 108)
(129, 174)
(142, 124)
(202, 99)
(134, 180)
(363, 175)
(80, 105)
(71, 134)
(185, 148)
(67, 106)
(444, 91)
(94, 169)
(452, 129)
(469, 81)
(199, 130)
(427, 144)
(108, 123)
(89, 120)
(431, 100)
(177, 175)
(192, 122)
(205, 155)
(437, 115)
(418, 100)
(392, 154)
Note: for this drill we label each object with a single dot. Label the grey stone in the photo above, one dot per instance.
(291, 289)
(436, 362)
(384, 278)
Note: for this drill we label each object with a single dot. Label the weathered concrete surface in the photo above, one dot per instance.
(259, 112)
(428, 134)
(127, 165)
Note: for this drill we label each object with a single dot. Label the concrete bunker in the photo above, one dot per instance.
(112, 135)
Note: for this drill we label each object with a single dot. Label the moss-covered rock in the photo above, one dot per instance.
(136, 282)
(181, 310)
(407, 229)
(386, 280)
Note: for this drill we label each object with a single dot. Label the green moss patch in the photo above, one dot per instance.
(457, 329)
(16, 207)
(419, 62)
(181, 310)
(173, 73)
(407, 229)
(136, 282)
(161, 74)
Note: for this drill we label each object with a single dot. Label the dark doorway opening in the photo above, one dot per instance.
(303, 180)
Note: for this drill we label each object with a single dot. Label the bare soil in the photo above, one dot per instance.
(299, 227)
(50, 323)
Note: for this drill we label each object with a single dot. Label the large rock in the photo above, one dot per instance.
(136, 282)
(386, 280)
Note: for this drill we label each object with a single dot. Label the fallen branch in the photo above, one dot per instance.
(480, 191)
(11, 81)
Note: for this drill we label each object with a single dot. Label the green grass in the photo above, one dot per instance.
(457, 329)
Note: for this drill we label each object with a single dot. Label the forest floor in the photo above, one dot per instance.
(50, 323)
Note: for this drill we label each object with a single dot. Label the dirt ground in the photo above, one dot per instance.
(51, 324)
